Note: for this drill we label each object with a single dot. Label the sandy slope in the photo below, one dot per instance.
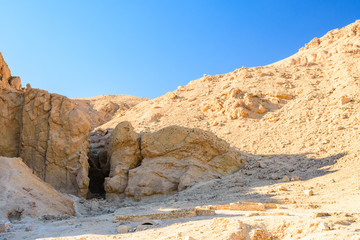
(101, 109)
(23, 194)
(296, 118)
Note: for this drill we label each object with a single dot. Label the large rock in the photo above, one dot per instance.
(123, 154)
(55, 141)
(174, 158)
(11, 103)
(24, 194)
(5, 73)
(47, 131)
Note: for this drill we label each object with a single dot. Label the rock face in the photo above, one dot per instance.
(24, 194)
(47, 131)
(5, 73)
(55, 141)
(6, 80)
(124, 154)
(11, 103)
(173, 159)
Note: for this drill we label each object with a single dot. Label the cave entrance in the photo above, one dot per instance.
(98, 171)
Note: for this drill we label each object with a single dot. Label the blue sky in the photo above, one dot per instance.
(148, 47)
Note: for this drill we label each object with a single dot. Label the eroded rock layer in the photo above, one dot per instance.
(47, 131)
(55, 141)
(172, 159)
(11, 103)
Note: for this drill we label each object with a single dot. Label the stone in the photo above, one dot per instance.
(281, 188)
(296, 178)
(323, 226)
(247, 206)
(308, 192)
(235, 103)
(262, 165)
(259, 234)
(123, 228)
(189, 238)
(175, 158)
(4, 226)
(28, 229)
(5, 73)
(345, 99)
(228, 229)
(321, 214)
(123, 155)
(15, 82)
(285, 179)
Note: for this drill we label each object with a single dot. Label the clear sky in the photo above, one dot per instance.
(149, 47)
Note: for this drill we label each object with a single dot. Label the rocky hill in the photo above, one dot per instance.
(267, 152)
(101, 109)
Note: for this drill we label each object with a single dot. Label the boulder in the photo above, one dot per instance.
(5, 73)
(175, 158)
(123, 154)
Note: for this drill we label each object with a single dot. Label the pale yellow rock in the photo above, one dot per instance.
(228, 229)
(123, 229)
(5, 73)
(345, 100)
(323, 226)
(189, 238)
(176, 158)
(308, 192)
(15, 82)
(285, 179)
(281, 188)
(259, 234)
(123, 154)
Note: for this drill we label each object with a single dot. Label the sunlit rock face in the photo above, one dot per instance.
(47, 131)
(169, 160)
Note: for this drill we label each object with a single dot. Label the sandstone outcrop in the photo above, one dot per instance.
(335, 42)
(6, 80)
(172, 159)
(5, 73)
(235, 103)
(47, 131)
(55, 141)
(123, 154)
(11, 103)
(24, 194)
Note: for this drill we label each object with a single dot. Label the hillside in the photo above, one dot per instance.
(101, 109)
(295, 124)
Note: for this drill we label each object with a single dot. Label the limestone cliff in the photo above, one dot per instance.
(47, 131)
(54, 141)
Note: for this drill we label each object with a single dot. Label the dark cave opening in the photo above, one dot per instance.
(98, 171)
